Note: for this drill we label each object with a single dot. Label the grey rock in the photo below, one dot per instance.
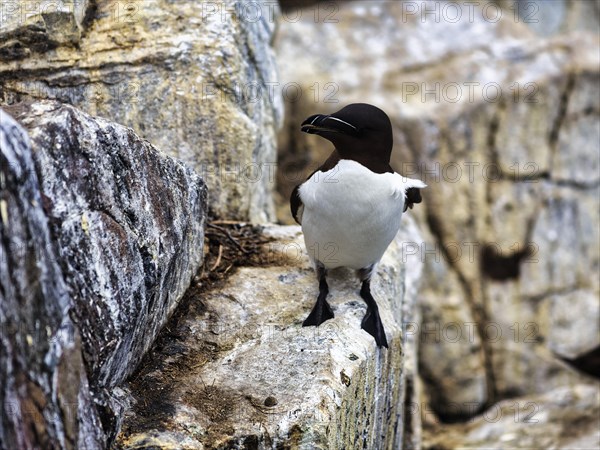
(564, 337)
(44, 393)
(563, 418)
(198, 80)
(247, 372)
(449, 336)
(556, 17)
(127, 226)
(28, 29)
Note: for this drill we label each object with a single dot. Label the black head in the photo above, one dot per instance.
(359, 131)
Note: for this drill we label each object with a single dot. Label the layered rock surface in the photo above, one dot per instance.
(237, 369)
(196, 79)
(44, 396)
(125, 226)
(504, 127)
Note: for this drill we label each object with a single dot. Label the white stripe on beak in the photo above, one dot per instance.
(340, 120)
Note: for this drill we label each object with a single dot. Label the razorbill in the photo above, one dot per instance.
(350, 207)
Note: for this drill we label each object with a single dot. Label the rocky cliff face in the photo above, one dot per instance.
(196, 79)
(504, 127)
(121, 229)
(101, 234)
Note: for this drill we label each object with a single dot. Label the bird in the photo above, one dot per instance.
(350, 208)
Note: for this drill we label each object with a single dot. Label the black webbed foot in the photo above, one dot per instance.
(319, 314)
(321, 311)
(371, 323)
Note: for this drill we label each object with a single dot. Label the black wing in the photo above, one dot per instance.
(413, 195)
(296, 204)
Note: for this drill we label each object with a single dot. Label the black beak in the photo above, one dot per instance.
(311, 125)
(323, 123)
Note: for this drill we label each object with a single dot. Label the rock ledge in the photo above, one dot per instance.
(244, 372)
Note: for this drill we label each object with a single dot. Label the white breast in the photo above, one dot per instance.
(352, 214)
